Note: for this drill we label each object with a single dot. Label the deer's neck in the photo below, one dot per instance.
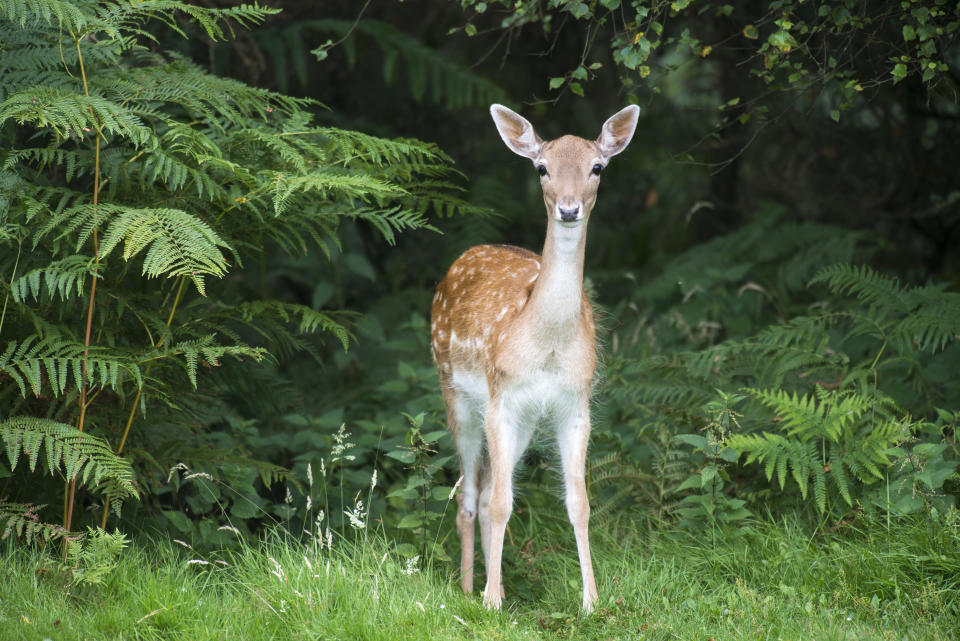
(556, 300)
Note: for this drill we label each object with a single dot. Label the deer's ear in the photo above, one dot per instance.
(516, 131)
(618, 130)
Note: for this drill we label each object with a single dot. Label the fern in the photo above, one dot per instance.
(866, 284)
(199, 180)
(84, 16)
(925, 317)
(63, 278)
(831, 383)
(94, 555)
(74, 453)
(70, 114)
(62, 359)
(23, 520)
(824, 436)
(308, 320)
(176, 243)
(208, 351)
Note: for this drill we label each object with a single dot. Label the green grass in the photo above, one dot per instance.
(771, 581)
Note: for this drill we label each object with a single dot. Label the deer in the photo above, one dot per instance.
(513, 341)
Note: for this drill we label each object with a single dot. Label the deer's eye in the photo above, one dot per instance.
(542, 170)
(597, 169)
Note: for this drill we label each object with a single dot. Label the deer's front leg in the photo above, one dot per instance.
(501, 445)
(572, 438)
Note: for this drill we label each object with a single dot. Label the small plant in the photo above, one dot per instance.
(93, 556)
(922, 469)
(425, 501)
(708, 503)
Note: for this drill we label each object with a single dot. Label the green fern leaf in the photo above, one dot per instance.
(176, 243)
(23, 520)
(77, 454)
(64, 277)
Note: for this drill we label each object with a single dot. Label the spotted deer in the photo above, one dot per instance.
(513, 342)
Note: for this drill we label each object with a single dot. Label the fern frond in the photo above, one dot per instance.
(163, 165)
(78, 455)
(73, 114)
(216, 22)
(934, 322)
(23, 520)
(209, 351)
(67, 14)
(176, 243)
(395, 219)
(222, 103)
(827, 413)
(838, 472)
(355, 147)
(329, 185)
(868, 285)
(820, 485)
(64, 277)
(308, 320)
(60, 358)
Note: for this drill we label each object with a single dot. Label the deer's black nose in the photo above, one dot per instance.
(569, 214)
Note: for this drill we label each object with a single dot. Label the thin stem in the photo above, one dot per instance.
(663, 474)
(352, 27)
(879, 354)
(70, 499)
(136, 400)
(13, 276)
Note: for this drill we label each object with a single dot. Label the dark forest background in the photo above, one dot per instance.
(266, 200)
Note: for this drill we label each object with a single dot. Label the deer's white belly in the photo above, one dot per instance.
(524, 402)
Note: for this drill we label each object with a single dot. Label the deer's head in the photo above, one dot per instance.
(569, 166)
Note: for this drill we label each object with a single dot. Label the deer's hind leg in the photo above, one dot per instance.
(466, 424)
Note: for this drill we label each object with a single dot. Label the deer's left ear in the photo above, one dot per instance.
(618, 130)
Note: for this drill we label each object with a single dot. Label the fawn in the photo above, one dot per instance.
(512, 336)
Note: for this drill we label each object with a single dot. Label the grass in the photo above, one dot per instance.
(773, 580)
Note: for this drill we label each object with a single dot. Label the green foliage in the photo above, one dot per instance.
(829, 395)
(921, 318)
(776, 40)
(841, 435)
(62, 360)
(923, 468)
(75, 453)
(94, 556)
(23, 520)
(707, 501)
(422, 500)
(68, 451)
(186, 211)
(129, 173)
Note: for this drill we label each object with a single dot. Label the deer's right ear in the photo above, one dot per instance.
(516, 131)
